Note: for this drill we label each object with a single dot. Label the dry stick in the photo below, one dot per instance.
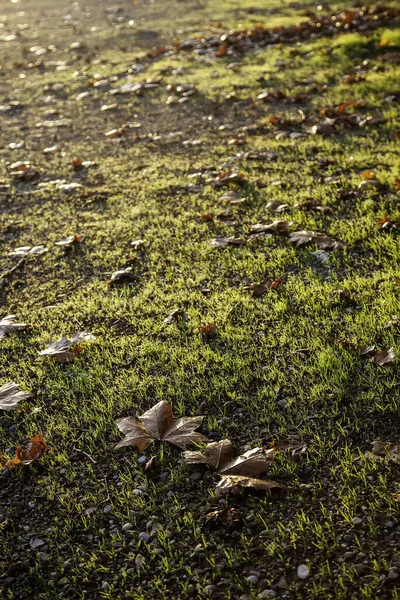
(99, 468)
(14, 268)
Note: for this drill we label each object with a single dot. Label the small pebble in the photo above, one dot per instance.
(127, 527)
(145, 537)
(63, 581)
(104, 585)
(137, 492)
(252, 579)
(107, 509)
(67, 565)
(209, 589)
(267, 594)
(393, 574)
(357, 521)
(389, 525)
(196, 476)
(142, 460)
(303, 572)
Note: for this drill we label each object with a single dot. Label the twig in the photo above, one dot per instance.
(99, 468)
(8, 272)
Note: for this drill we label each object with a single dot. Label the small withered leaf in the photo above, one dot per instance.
(7, 326)
(233, 484)
(264, 286)
(383, 357)
(175, 315)
(159, 423)
(123, 276)
(60, 349)
(71, 241)
(208, 330)
(323, 241)
(221, 457)
(389, 450)
(277, 227)
(224, 242)
(11, 396)
(37, 447)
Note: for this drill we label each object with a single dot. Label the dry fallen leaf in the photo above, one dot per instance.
(138, 244)
(295, 447)
(220, 456)
(71, 240)
(208, 330)
(233, 484)
(277, 227)
(11, 396)
(159, 423)
(383, 357)
(264, 286)
(175, 315)
(28, 250)
(323, 241)
(37, 447)
(7, 326)
(60, 349)
(381, 450)
(123, 276)
(224, 242)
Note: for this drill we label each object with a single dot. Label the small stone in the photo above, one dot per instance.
(392, 574)
(244, 597)
(63, 581)
(107, 509)
(67, 565)
(252, 579)
(139, 560)
(389, 525)
(209, 590)
(267, 594)
(196, 476)
(105, 585)
(127, 527)
(142, 460)
(282, 583)
(51, 583)
(164, 475)
(145, 537)
(137, 492)
(303, 572)
(36, 543)
(359, 569)
(348, 538)
(357, 521)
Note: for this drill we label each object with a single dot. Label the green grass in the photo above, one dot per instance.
(248, 381)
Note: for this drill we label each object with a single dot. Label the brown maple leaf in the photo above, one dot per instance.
(159, 423)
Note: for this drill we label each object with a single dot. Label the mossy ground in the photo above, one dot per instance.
(248, 380)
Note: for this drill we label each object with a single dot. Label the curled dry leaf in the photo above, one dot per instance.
(323, 241)
(175, 315)
(233, 484)
(208, 330)
(295, 447)
(28, 250)
(277, 227)
(37, 447)
(71, 240)
(267, 284)
(60, 349)
(224, 242)
(364, 350)
(7, 326)
(221, 457)
(389, 450)
(138, 244)
(383, 357)
(159, 423)
(11, 396)
(123, 276)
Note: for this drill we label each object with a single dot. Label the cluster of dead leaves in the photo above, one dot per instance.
(236, 472)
